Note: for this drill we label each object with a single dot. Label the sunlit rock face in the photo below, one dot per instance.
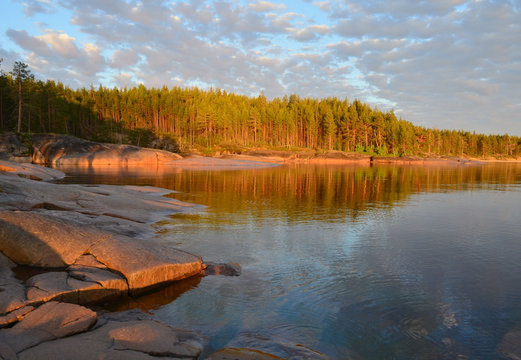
(69, 150)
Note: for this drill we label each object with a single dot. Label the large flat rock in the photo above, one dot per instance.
(39, 239)
(137, 204)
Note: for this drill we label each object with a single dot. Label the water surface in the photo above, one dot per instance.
(361, 262)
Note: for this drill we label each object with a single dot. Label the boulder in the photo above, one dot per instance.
(129, 335)
(69, 150)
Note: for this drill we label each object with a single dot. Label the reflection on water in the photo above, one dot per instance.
(154, 299)
(368, 262)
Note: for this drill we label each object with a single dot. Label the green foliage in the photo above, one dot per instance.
(382, 151)
(360, 149)
(178, 119)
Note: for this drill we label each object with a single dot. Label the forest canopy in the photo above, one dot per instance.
(218, 119)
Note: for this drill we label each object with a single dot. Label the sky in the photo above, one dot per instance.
(446, 64)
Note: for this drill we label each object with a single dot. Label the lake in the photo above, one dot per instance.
(362, 262)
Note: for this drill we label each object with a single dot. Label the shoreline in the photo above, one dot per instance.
(87, 246)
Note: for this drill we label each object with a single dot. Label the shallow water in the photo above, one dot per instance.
(366, 262)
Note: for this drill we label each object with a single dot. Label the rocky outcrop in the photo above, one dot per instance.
(95, 241)
(91, 244)
(69, 150)
(11, 148)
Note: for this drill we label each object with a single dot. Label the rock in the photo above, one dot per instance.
(59, 245)
(12, 291)
(126, 337)
(69, 150)
(10, 144)
(60, 286)
(63, 242)
(153, 266)
(15, 316)
(50, 321)
(511, 345)
(78, 284)
(30, 171)
(135, 204)
(108, 280)
(230, 269)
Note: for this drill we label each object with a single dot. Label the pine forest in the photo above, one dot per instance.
(216, 119)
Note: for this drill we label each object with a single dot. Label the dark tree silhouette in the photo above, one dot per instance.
(20, 73)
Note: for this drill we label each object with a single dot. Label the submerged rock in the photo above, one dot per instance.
(511, 345)
(229, 269)
(264, 345)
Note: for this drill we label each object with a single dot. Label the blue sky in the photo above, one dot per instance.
(451, 64)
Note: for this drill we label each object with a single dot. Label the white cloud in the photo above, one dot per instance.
(263, 6)
(33, 7)
(60, 42)
(123, 58)
(323, 5)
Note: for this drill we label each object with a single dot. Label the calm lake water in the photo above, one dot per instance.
(360, 262)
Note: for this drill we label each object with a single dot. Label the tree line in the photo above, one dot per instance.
(218, 119)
